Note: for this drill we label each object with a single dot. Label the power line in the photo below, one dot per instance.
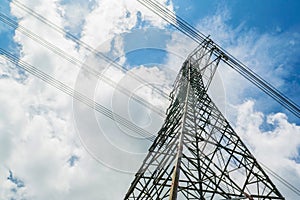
(282, 180)
(195, 36)
(100, 108)
(83, 44)
(184, 27)
(227, 58)
(5, 19)
(75, 94)
(200, 38)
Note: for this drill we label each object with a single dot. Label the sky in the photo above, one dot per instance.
(54, 147)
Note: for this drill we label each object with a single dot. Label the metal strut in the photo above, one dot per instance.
(176, 173)
(197, 154)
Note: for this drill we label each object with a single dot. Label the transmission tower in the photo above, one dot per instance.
(197, 154)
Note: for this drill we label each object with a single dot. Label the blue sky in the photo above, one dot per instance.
(37, 121)
(265, 16)
(280, 19)
(272, 17)
(277, 19)
(6, 33)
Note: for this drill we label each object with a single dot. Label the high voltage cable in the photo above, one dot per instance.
(77, 62)
(282, 180)
(83, 44)
(231, 61)
(193, 33)
(198, 37)
(89, 102)
(75, 94)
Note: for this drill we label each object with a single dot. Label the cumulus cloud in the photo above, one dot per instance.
(269, 55)
(277, 148)
(122, 15)
(272, 138)
(39, 137)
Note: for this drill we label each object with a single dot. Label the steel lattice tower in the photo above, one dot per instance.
(197, 154)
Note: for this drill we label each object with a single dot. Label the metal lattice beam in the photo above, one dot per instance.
(197, 154)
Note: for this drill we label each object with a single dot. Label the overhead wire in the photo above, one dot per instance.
(184, 27)
(190, 31)
(282, 180)
(75, 94)
(83, 44)
(193, 33)
(7, 20)
(197, 36)
(227, 58)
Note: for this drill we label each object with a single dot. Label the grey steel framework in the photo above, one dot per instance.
(197, 154)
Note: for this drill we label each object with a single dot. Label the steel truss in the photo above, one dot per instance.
(197, 154)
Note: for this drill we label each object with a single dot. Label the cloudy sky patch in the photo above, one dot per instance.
(47, 146)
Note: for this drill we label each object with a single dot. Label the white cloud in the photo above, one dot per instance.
(276, 148)
(37, 132)
(74, 14)
(269, 55)
(37, 128)
(121, 15)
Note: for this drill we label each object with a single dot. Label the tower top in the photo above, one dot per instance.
(197, 154)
